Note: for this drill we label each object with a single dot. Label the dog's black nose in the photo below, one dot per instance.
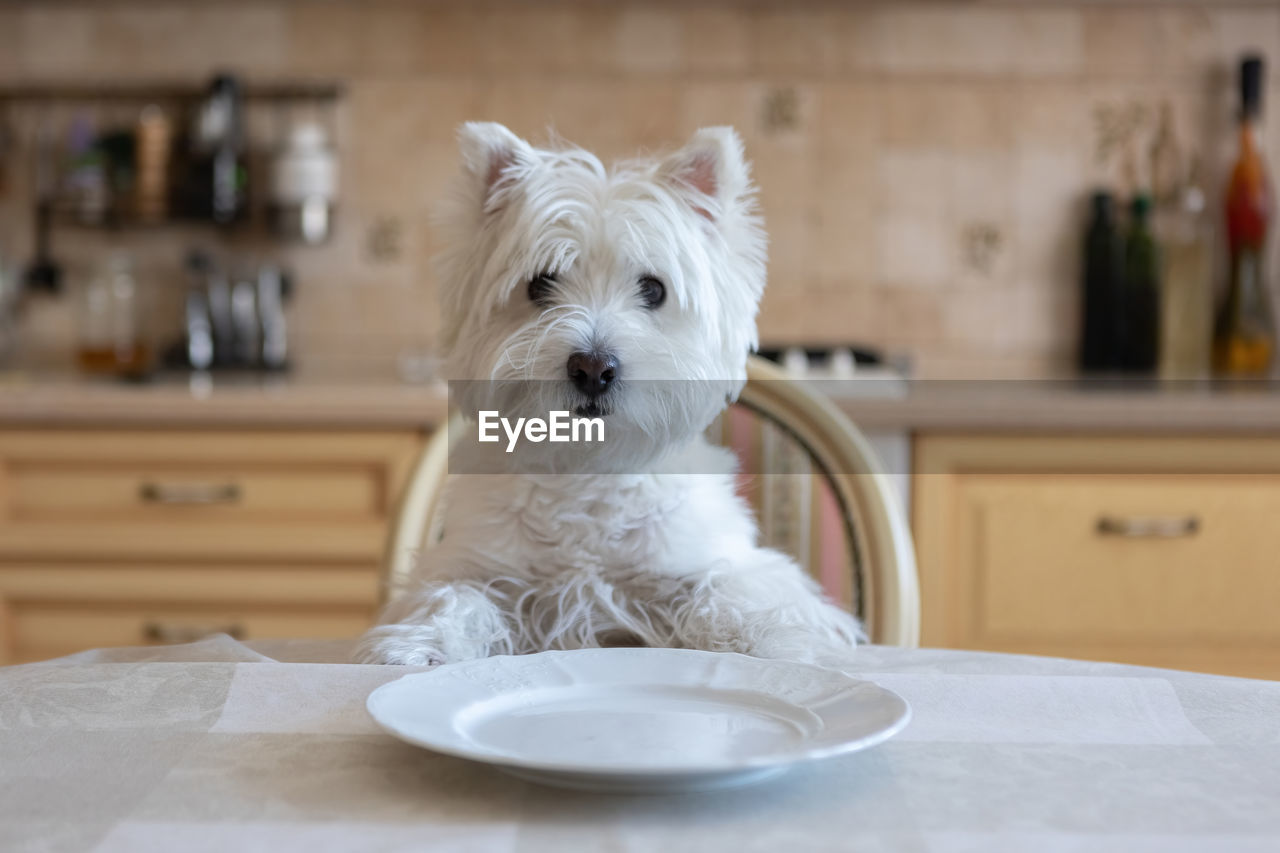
(592, 372)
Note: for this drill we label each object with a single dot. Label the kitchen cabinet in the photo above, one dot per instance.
(1152, 550)
(130, 536)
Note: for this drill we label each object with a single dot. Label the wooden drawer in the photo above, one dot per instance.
(51, 609)
(157, 495)
(1058, 547)
(37, 631)
(46, 490)
(164, 583)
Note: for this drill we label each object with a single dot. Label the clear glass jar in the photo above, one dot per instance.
(111, 340)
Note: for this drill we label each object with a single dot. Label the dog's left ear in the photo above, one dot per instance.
(491, 157)
(711, 165)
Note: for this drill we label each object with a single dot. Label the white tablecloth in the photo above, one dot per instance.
(219, 747)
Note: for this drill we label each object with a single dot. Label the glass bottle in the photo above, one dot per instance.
(1102, 309)
(110, 331)
(1141, 290)
(1245, 333)
(217, 180)
(1186, 296)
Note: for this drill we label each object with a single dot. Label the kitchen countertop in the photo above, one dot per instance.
(878, 405)
(1069, 406)
(278, 401)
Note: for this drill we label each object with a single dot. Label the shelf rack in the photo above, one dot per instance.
(279, 93)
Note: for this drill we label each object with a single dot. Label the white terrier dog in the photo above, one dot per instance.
(627, 294)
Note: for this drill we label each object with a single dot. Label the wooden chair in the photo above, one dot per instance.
(812, 478)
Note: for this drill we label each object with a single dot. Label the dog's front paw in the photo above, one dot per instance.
(397, 645)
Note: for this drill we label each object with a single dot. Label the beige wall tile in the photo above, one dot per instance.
(914, 184)
(324, 38)
(57, 43)
(10, 38)
(910, 320)
(850, 119)
(838, 311)
(857, 40)
(147, 42)
(721, 39)
(253, 34)
(585, 112)
(1241, 30)
(914, 252)
(646, 116)
(1187, 39)
(532, 39)
(910, 114)
(1051, 115)
(704, 103)
(650, 39)
(786, 116)
(949, 39)
(788, 209)
(1121, 41)
(978, 117)
(522, 104)
(789, 39)
(981, 202)
(845, 246)
(1048, 42)
(382, 167)
(382, 37)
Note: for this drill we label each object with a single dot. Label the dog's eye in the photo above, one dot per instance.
(652, 292)
(540, 287)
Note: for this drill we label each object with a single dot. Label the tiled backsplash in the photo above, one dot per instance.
(922, 167)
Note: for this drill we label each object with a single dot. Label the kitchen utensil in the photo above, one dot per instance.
(638, 719)
(224, 333)
(271, 296)
(244, 319)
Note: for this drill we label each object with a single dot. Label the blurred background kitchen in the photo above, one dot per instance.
(216, 301)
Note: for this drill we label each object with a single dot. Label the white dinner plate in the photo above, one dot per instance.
(631, 719)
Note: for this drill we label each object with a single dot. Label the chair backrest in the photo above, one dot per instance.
(820, 496)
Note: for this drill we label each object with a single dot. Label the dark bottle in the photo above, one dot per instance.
(1244, 333)
(217, 178)
(1102, 288)
(1141, 290)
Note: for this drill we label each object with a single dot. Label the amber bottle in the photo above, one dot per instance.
(1244, 332)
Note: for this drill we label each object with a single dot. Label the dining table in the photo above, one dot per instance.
(221, 745)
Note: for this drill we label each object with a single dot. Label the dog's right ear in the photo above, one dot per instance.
(492, 158)
(711, 166)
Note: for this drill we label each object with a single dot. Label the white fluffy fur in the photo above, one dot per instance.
(602, 548)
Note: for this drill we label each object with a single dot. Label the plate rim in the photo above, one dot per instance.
(875, 738)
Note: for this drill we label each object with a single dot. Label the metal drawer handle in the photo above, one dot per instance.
(161, 632)
(1149, 528)
(179, 494)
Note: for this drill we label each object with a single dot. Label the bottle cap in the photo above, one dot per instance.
(1251, 74)
(1141, 205)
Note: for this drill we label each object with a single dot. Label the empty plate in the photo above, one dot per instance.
(631, 719)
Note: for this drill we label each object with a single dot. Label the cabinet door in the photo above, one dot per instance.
(1151, 551)
(163, 495)
(112, 537)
